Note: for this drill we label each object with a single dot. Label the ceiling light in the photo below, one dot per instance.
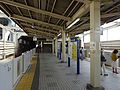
(32, 26)
(73, 23)
(108, 24)
(59, 34)
(118, 20)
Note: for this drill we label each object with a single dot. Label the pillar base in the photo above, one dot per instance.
(90, 87)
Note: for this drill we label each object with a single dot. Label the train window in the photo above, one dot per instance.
(24, 42)
(10, 37)
(20, 41)
(1, 33)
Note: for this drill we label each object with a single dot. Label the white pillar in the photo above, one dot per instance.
(56, 46)
(95, 43)
(4, 43)
(63, 45)
(15, 43)
(69, 47)
(41, 46)
(53, 46)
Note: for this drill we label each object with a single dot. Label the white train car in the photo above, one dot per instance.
(108, 47)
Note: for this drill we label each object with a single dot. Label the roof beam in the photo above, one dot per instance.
(82, 10)
(110, 15)
(35, 9)
(9, 13)
(28, 10)
(5, 10)
(66, 10)
(77, 32)
(112, 8)
(82, 27)
(80, 1)
(40, 36)
(102, 1)
(38, 31)
(104, 15)
(52, 9)
(41, 28)
(87, 26)
(21, 18)
(71, 11)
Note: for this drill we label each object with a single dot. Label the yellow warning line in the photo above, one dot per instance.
(26, 81)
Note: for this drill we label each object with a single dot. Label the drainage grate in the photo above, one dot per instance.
(45, 63)
(48, 70)
(62, 69)
(69, 74)
(60, 65)
(52, 84)
(75, 81)
(48, 76)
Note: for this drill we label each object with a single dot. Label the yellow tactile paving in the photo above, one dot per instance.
(26, 81)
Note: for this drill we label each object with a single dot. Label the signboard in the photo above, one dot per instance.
(74, 50)
(34, 38)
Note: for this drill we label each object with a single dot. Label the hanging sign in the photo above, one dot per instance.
(74, 50)
(34, 38)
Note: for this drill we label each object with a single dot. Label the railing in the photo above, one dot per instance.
(12, 69)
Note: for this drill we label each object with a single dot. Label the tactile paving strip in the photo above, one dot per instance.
(56, 77)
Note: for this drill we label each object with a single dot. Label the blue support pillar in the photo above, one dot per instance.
(78, 56)
(76, 39)
(68, 61)
(60, 55)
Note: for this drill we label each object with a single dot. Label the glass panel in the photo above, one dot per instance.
(1, 33)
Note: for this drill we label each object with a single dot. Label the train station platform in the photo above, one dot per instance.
(58, 76)
(79, 28)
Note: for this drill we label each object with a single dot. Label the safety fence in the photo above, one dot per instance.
(12, 69)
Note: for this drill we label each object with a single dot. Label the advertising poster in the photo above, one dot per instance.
(74, 50)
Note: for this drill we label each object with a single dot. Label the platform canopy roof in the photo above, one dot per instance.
(46, 18)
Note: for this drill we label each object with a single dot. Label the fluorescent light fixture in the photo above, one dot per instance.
(32, 26)
(118, 20)
(87, 32)
(36, 45)
(59, 34)
(67, 34)
(79, 35)
(73, 23)
(1, 11)
(108, 24)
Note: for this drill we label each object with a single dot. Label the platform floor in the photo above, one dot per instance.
(57, 76)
